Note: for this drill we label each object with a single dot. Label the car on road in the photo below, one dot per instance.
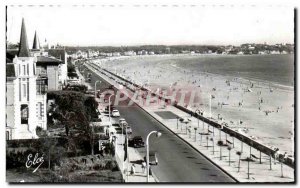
(152, 158)
(122, 122)
(136, 142)
(115, 113)
(127, 130)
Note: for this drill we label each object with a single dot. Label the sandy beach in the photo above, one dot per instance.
(259, 108)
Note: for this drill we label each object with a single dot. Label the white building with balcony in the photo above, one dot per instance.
(26, 93)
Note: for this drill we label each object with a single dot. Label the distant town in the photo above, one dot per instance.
(244, 49)
(110, 51)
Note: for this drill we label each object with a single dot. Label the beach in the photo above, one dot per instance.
(251, 94)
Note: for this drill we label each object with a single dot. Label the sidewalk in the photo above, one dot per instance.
(206, 143)
(133, 156)
(82, 79)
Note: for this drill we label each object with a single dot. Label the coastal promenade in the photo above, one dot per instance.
(134, 156)
(205, 141)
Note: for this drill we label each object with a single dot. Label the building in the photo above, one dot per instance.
(26, 93)
(30, 74)
(60, 54)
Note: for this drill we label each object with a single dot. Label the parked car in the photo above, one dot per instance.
(111, 108)
(122, 122)
(115, 113)
(127, 129)
(152, 158)
(136, 142)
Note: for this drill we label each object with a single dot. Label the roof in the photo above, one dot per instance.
(57, 53)
(23, 46)
(10, 70)
(47, 60)
(36, 42)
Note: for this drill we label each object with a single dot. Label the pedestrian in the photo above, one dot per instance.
(132, 169)
(143, 166)
(276, 155)
(285, 156)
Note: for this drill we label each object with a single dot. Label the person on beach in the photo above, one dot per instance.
(276, 155)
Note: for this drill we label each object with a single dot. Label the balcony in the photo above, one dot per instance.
(41, 86)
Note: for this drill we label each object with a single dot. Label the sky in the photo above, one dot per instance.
(152, 25)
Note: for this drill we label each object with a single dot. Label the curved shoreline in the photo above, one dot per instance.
(244, 79)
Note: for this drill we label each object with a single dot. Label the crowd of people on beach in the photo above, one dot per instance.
(227, 94)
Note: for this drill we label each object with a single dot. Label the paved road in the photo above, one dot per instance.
(178, 162)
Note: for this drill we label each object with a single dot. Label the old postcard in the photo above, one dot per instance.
(150, 93)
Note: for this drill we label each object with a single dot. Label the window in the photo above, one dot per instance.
(40, 110)
(24, 70)
(24, 114)
(7, 135)
(24, 90)
(41, 86)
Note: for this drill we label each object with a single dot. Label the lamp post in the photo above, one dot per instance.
(200, 139)
(197, 112)
(190, 131)
(239, 165)
(97, 81)
(177, 121)
(213, 144)
(221, 127)
(202, 114)
(158, 134)
(109, 105)
(195, 128)
(207, 142)
(229, 149)
(181, 126)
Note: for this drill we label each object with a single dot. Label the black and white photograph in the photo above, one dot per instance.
(150, 94)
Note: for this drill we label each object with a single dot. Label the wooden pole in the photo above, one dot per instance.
(248, 169)
(207, 142)
(220, 153)
(270, 162)
(241, 146)
(239, 166)
(229, 158)
(281, 169)
(200, 139)
(259, 157)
